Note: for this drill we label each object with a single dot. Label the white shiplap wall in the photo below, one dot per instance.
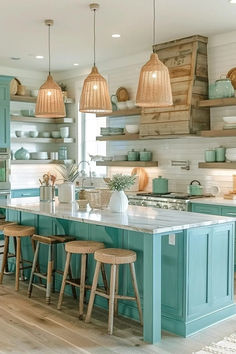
(221, 59)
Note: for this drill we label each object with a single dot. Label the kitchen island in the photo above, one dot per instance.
(184, 260)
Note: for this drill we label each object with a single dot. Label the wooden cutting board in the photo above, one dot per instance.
(143, 177)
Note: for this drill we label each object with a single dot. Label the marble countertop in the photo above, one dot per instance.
(215, 201)
(148, 220)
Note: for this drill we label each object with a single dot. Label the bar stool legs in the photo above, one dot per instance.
(114, 257)
(4, 261)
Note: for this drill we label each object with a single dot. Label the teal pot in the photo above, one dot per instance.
(145, 155)
(133, 155)
(210, 155)
(195, 188)
(220, 154)
(160, 185)
(224, 88)
(22, 154)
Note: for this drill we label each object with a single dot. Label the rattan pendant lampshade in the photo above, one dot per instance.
(154, 88)
(50, 102)
(95, 96)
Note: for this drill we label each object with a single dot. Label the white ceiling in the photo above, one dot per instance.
(24, 35)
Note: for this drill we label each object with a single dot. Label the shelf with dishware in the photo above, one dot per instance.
(15, 118)
(220, 165)
(127, 163)
(43, 140)
(121, 113)
(39, 162)
(31, 99)
(118, 137)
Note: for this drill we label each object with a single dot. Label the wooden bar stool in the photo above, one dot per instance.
(52, 242)
(84, 248)
(4, 224)
(114, 257)
(17, 232)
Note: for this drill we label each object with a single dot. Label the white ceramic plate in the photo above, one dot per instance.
(230, 120)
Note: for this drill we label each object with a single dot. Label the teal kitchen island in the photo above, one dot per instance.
(184, 262)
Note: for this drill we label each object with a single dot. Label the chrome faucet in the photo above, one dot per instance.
(90, 172)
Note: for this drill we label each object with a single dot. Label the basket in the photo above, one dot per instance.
(99, 198)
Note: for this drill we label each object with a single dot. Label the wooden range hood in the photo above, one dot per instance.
(186, 60)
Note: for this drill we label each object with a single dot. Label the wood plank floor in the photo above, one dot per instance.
(31, 326)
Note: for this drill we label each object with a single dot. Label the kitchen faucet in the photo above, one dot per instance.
(90, 172)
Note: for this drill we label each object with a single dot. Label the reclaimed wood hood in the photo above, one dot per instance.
(186, 59)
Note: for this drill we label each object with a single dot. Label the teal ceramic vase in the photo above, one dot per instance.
(22, 154)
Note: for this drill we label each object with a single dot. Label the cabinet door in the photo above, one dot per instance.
(229, 211)
(5, 111)
(206, 209)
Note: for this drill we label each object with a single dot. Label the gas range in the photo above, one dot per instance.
(174, 201)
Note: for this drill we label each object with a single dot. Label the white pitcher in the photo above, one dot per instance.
(66, 192)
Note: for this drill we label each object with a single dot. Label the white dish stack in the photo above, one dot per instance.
(229, 122)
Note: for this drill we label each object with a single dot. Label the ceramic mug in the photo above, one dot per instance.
(64, 132)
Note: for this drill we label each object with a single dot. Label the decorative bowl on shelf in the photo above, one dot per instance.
(56, 134)
(121, 105)
(45, 134)
(34, 93)
(120, 158)
(19, 133)
(132, 128)
(130, 104)
(107, 158)
(33, 134)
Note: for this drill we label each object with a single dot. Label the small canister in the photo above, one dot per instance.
(160, 185)
(220, 154)
(210, 155)
(47, 193)
(133, 155)
(62, 153)
(145, 155)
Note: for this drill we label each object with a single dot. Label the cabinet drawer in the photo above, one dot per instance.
(24, 193)
(206, 209)
(229, 211)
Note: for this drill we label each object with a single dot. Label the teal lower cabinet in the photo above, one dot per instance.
(24, 193)
(185, 279)
(216, 210)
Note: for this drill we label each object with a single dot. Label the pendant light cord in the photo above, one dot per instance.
(49, 49)
(154, 24)
(94, 37)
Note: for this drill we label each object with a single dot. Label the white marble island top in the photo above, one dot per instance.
(215, 201)
(148, 220)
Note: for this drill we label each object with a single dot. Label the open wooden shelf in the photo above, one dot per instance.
(31, 99)
(38, 162)
(121, 113)
(128, 163)
(42, 140)
(220, 165)
(118, 137)
(218, 133)
(218, 102)
(42, 120)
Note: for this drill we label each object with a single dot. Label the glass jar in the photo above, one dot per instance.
(62, 153)
(224, 88)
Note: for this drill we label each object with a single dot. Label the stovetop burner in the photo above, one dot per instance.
(173, 195)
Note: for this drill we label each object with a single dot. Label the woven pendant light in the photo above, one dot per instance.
(50, 102)
(95, 96)
(154, 88)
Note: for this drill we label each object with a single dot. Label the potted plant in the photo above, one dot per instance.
(66, 190)
(63, 89)
(118, 183)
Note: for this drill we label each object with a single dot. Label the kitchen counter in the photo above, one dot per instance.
(147, 220)
(215, 201)
(184, 260)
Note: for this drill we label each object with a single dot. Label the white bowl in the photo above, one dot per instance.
(33, 134)
(130, 104)
(45, 134)
(229, 120)
(231, 151)
(56, 134)
(34, 93)
(121, 105)
(132, 128)
(19, 133)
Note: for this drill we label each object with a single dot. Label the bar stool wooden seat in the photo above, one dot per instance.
(17, 232)
(114, 257)
(52, 242)
(4, 224)
(84, 248)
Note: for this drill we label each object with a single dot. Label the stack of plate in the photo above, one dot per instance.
(230, 122)
(231, 154)
(39, 155)
(111, 131)
(120, 157)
